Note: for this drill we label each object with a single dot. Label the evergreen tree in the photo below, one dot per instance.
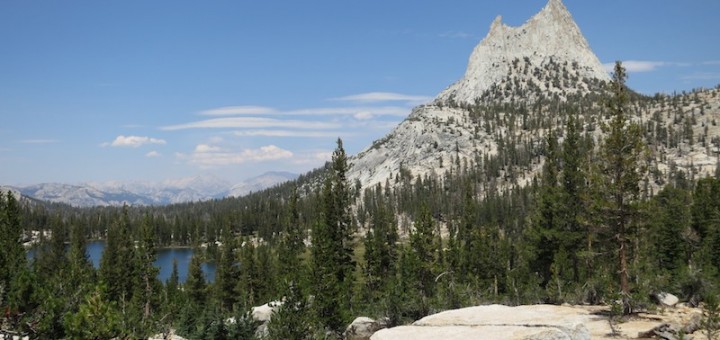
(226, 274)
(117, 272)
(573, 195)
(12, 256)
(195, 285)
(292, 244)
(424, 257)
(621, 154)
(248, 287)
(670, 220)
(380, 254)
(548, 217)
(332, 251)
(290, 320)
(145, 296)
(97, 318)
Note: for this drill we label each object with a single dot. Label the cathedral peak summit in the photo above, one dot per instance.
(549, 37)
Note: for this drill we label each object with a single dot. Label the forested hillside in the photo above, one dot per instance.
(535, 178)
(597, 225)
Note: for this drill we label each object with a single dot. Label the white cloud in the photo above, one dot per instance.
(238, 110)
(364, 115)
(374, 97)
(205, 148)
(250, 123)
(286, 133)
(637, 65)
(153, 154)
(133, 141)
(351, 111)
(313, 157)
(209, 156)
(712, 62)
(323, 155)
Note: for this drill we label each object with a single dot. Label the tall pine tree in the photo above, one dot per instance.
(621, 169)
(333, 265)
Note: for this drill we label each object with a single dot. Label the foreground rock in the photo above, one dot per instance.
(540, 322)
(362, 328)
(496, 322)
(667, 299)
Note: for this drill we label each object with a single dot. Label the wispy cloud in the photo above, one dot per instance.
(209, 156)
(313, 157)
(239, 110)
(359, 111)
(637, 65)
(645, 65)
(133, 141)
(352, 111)
(153, 154)
(251, 123)
(711, 62)
(38, 141)
(457, 35)
(376, 97)
(287, 133)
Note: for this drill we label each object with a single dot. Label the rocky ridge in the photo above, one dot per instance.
(521, 82)
(117, 193)
(549, 37)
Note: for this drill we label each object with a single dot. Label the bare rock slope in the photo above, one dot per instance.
(535, 322)
(551, 35)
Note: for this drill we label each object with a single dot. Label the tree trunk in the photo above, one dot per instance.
(624, 286)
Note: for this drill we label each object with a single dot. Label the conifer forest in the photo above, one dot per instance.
(599, 224)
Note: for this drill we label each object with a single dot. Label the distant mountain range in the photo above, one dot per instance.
(116, 193)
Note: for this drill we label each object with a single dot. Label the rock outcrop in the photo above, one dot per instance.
(496, 322)
(550, 36)
(544, 322)
(521, 82)
(362, 328)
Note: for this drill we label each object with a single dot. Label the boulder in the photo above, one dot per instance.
(264, 313)
(496, 322)
(667, 299)
(362, 328)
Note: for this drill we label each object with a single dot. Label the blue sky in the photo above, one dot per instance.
(149, 90)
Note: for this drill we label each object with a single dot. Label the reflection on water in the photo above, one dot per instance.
(164, 260)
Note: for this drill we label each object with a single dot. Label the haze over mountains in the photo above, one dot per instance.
(544, 61)
(116, 193)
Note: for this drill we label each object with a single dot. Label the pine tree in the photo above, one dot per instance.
(97, 318)
(248, 287)
(226, 274)
(117, 271)
(548, 217)
(573, 194)
(332, 251)
(670, 218)
(292, 244)
(290, 320)
(380, 254)
(12, 256)
(423, 245)
(145, 290)
(195, 285)
(622, 169)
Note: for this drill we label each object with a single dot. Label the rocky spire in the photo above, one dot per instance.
(550, 34)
